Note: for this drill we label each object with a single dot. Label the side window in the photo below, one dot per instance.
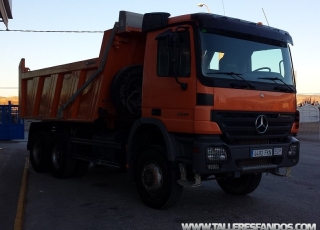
(174, 54)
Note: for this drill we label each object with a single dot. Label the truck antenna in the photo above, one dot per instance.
(265, 17)
(223, 8)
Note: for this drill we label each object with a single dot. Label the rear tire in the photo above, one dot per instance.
(40, 152)
(240, 186)
(63, 165)
(156, 181)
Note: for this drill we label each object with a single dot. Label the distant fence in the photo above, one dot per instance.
(309, 123)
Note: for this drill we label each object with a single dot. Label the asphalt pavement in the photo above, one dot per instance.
(12, 163)
(107, 199)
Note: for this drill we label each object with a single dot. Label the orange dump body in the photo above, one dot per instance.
(45, 93)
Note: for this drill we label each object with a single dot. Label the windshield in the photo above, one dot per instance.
(254, 61)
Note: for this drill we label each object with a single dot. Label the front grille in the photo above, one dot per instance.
(241, 125)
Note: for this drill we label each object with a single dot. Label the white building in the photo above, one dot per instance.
(309, 113)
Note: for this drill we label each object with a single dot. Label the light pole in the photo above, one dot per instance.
(202, 4)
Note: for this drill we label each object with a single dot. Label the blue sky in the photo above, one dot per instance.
(299, 18)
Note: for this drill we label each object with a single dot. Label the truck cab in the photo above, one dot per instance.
(224, 90)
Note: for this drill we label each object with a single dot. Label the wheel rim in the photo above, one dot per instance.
(36, 150)
(151, 177)
(56, 157)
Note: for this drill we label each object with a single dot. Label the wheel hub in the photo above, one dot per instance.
(152, 178)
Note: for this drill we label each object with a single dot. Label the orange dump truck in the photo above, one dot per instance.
(173, 100)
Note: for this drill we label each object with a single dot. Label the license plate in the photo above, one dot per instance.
(261, 153)
(277, 151)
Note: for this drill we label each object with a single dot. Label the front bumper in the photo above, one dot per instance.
(240, 157)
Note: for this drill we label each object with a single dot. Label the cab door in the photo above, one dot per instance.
(169, 82)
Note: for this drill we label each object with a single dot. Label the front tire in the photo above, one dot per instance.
(240, 186)
(156, 181)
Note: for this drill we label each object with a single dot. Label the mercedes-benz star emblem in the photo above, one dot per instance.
(261, 124)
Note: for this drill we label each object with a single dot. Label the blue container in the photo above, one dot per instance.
(11, 126)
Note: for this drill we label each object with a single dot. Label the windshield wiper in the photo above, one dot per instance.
(232, 74)
(277, 79)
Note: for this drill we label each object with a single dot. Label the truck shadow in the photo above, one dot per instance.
(108, 196)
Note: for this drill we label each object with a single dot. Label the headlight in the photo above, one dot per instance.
(216, 154)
